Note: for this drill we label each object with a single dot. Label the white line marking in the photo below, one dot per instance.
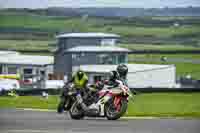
(27, 131)
(139, 117)
(31, 109)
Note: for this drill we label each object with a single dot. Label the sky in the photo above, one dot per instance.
(97, 3)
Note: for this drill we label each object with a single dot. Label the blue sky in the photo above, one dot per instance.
(96, 3)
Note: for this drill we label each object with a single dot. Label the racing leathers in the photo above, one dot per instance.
(79, 83)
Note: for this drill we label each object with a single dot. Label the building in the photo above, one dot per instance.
(33, 70)
(97, 54)
(75, 49)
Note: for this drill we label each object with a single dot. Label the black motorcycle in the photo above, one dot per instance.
(67, 98)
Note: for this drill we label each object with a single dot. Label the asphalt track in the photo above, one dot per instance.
(20, 121)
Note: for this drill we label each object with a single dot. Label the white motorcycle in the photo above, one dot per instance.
(111, 103)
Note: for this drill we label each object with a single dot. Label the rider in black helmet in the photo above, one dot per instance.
(113, 76)
(120, 74)
(122, 70)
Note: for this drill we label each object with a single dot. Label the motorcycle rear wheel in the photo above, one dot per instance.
(76, 111)
(60, 107)
(64, 104)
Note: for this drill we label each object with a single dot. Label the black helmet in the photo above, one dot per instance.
(122, 69)
(80, 74)
(113, 75)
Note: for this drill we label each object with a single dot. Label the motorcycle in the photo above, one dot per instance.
(111, 103)
(67, 98)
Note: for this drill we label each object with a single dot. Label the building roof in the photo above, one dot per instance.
(131, 68)
(96, 49)
(87, 35)
(26, 59)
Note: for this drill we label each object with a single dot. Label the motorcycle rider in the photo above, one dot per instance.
(113, 76)
(80, 80)
(119, 74)
(122, 70)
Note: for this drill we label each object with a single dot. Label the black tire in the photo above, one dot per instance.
(68, 103)
(78, 115)
(115, 116)
(60, 107)
(65, 104)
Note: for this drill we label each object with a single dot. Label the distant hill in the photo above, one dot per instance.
(132, 12)
(115, 12)
(41, 24)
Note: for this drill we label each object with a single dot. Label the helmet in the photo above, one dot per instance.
(122, 69)
(80, 74)
(113, 75)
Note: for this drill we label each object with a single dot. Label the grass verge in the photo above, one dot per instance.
(25, 45)
(36, 102)
(147, 104)
(165, 105)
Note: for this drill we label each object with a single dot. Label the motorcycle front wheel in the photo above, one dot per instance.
(111, 112)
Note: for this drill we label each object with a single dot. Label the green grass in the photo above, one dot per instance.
(156, 32)
(149, 104)
(35, 102)
(182, 69)
(93, 24)
(165, 104)
(158, 56)
(159, 47)
(44, 22)
(28, 21)
(25, 45)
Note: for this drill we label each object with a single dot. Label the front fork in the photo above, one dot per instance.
(101, 103)
(117, 100)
